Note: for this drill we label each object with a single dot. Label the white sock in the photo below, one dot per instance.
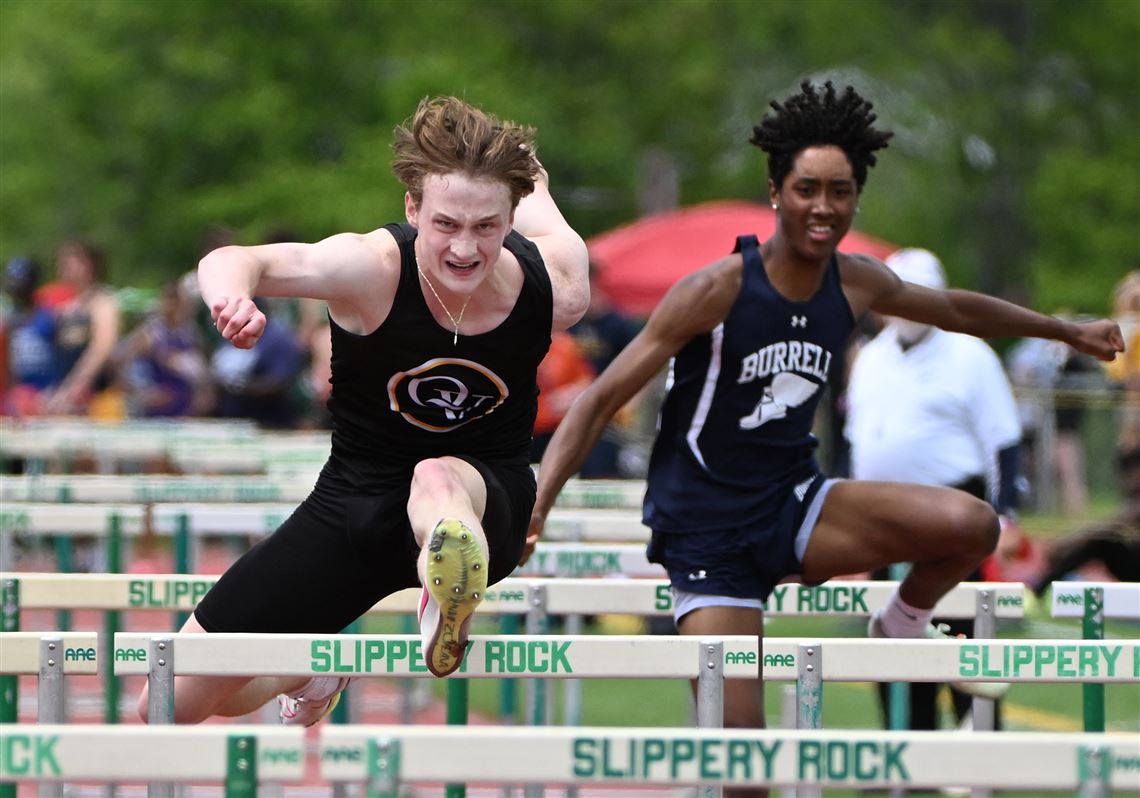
(899, 619)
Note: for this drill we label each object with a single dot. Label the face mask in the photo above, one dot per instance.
(909, 332)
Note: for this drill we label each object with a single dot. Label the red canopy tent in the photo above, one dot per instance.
(642, 260)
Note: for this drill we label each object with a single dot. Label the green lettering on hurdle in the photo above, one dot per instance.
(241, 766)
(1094, 766)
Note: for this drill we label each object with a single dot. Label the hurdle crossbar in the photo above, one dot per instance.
(42, 518)
(958, 660)
(1121, 599)
(730, 757)
(633, 656)
(560, 596)
(20, 652)
(492, 656)
(674, 757)
(147, 489)
(92, 752)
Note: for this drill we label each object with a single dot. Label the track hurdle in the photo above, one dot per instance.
(1093, 602)
(240, 758)
(384, 757)
(1121, 599)
(151, 488)
(50, 656)
(709, 661)
(492, 656)
(609, 494)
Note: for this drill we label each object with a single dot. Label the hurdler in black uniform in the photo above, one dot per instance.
(734, 459)
(400, 394)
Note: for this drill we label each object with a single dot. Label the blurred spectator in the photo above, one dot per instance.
(601, 334)
(87, 329)
(563, 374)
(28, 332)
(932, 407)
(316, 384)
(1113, 544)
(260, 383)
(1125, 370)
(162, 364)
(1051, 376)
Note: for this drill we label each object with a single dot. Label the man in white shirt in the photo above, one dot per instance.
(934, 408)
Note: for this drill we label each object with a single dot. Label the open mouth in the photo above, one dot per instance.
(463, 267)
(820, 232)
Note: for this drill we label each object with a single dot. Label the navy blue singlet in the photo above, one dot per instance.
(735, 429)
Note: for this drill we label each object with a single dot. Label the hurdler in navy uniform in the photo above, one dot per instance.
(735, 499)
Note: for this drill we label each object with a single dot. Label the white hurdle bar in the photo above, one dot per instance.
(386, 756)
(260, 518)
(1121, 599)
(146, 488)
(239, 756)
(151, 488)
(514, 595)
(709, 661)
(50, 656)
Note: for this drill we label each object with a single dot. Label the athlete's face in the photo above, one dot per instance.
(817, 201)
(462, 223)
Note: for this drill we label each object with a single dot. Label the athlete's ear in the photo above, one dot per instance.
(773, 193)
(410, 209)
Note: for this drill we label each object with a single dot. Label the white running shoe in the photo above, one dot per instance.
(312, 701)
(991, 690)
(456, 580)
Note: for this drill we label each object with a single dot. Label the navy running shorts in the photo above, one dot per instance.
(746, 562)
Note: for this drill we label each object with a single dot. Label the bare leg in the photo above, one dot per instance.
(1070, 460)
(197, 698)
(445, 487)
(743, 698)
(944, 532)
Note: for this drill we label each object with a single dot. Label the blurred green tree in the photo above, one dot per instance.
(142, 124)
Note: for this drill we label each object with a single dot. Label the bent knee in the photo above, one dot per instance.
(433, 476)
(977, 526)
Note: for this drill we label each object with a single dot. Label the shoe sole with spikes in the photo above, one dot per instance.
(456, 582)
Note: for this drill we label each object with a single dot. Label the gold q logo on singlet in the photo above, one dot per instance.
(445, 393)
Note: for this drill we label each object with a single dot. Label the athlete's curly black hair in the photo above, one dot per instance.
(811, 118)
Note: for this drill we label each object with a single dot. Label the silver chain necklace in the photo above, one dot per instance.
(454, 321)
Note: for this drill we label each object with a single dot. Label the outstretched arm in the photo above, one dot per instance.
(563, 250)
(976, 314)
(346, 269)
(693, 306)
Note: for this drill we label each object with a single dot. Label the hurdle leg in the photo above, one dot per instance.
(809, 697)
(535, 689)
(710, 697)
(1092, 626)
(111, 621)
(51, 697)
(9, 622)
(982, 710)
